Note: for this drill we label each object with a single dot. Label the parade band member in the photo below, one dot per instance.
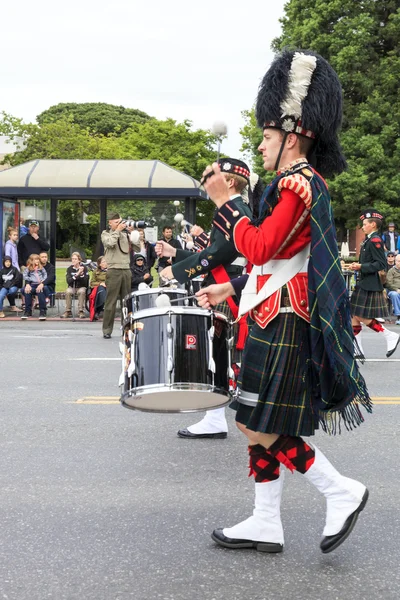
(368, 302)
(298, 370)
(221, 254)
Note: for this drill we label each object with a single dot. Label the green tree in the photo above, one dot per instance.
(176, 144)
(97, 117)
(361, 40)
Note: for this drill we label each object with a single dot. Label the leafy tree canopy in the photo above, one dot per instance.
(176, 144)
(97, 117)
(361, 40)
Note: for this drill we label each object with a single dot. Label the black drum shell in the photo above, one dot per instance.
(177, 368)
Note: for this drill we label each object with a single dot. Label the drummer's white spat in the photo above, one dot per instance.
(178, 217)
(135, 237)
(163, 301)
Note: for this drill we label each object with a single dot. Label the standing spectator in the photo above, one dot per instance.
(10, 281)
(140, 272)
(393, 287)
(34, 277)
(10, 247)
(116, 252)
(50, 286)
(390, 256)
(30, 243)
(98, 284)
(77, 280)
(164, 261)
(23, 230)
(147, 250)
(391, 239)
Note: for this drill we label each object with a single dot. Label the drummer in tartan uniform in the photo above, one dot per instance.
(218, 253)
(368, 301)
(298, 370)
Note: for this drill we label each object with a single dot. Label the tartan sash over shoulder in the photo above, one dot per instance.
(338, 388)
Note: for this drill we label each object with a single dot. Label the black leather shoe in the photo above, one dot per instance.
(185, 433)
(331, 542)
(389, 354)
(107, 336)
(234, 544)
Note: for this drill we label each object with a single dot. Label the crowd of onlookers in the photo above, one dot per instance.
(27, 273)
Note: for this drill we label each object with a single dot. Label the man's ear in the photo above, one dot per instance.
(291, 140)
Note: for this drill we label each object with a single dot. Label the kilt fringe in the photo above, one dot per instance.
(350, 417)
(349, 388)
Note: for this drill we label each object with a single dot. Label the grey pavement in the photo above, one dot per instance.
(102, 503)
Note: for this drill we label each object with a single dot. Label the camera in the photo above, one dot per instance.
(91, 265)
(135, 224)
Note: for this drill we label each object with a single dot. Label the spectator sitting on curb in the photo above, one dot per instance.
(98, 294)
(34, 277)
(10, 281)
(78, 281)
(49, 288)
(140, 272)
(390, 256)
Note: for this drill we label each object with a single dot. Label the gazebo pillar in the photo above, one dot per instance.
(53, 229)
(190, 210)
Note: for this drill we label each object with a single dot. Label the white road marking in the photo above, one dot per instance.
(382, 360)
(97, 358)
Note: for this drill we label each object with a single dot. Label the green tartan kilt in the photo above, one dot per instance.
(275, 366)
(369, 305)
(223, 307)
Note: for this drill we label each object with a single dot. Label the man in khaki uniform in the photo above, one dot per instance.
(118, 279)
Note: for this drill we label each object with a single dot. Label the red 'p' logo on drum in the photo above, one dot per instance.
(191, 342)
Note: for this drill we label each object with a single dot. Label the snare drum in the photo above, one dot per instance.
(146, 299)
(176, 359)
(192, 287)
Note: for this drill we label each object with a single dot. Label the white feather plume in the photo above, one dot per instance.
(300, 74)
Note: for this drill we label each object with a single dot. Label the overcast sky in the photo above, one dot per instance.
(183, 59)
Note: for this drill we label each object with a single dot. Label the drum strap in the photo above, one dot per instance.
(221, 276)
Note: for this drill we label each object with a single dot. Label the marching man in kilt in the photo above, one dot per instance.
(218, 261)
(298, 370)
(368, 301)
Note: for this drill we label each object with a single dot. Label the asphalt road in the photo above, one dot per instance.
(101, 503)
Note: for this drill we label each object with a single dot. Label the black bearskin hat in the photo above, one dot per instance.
(301, 93)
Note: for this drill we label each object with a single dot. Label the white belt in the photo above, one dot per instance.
(240, 261)
(270, 267)
(286, 309)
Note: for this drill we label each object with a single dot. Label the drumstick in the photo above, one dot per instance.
(163, 300)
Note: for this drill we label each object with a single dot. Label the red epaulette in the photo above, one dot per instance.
(377, 241)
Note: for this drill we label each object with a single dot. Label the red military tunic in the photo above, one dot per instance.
(280, 236)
